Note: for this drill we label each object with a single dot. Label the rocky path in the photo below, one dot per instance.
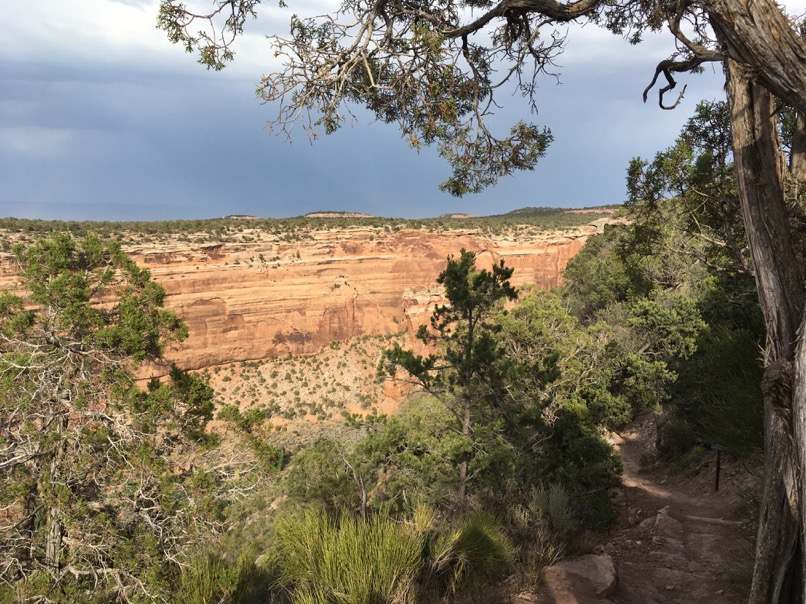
(681, 542)
(676, 542)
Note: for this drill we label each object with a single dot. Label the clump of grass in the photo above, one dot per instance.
(210, 578)
(347, 560)
(320, 559)
(469, 557)
(544, 526)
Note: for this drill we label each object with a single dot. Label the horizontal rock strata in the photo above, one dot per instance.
(270, 295)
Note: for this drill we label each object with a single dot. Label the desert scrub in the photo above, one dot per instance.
(210, 578)
(346, 560)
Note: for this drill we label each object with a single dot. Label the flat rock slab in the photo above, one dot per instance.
(582, 580)
(667, 526)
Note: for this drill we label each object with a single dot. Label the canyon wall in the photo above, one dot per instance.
(266, 295)
(255, 300)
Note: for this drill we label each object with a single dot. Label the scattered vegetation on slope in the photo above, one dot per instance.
(244, 229)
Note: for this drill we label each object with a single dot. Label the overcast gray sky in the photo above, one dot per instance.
(102, 118)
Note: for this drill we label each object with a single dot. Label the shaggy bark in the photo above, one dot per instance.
(757, 34)
(776, 577)
(797, 155)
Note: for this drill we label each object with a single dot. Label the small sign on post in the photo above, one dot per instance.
(718, 449)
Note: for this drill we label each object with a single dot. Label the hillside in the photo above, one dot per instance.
(293, 315)
(250, 293)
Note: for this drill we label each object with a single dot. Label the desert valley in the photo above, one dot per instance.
(261, 302)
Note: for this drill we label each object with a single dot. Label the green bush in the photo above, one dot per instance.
(321, 476)
(209, 578)
(347, 560)
(729, 388)
(676, 436)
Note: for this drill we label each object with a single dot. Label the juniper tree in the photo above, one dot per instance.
(464, 374)
(93, 493)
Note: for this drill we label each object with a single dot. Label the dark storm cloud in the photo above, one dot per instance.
(156, 136)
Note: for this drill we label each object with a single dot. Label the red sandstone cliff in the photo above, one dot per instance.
(265, 297)
(247, 301)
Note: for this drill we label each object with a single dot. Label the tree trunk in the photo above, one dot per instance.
(54, 527)
(777, 576)
(464, 465)
(797, 172)
(797, 157)
(53, 542)
(757, 34)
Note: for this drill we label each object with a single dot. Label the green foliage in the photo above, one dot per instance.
(413, 457)
(466, 559)
(69, 278)
(725, 398)
(232, 229)
(538, 387)
(708, 326)
(691, 187)
(655, 312)
(669, 323)
(349, 560)
(462, 329)
(583, 462)
(558, 359)
(597, 277)
(378, 560)
(92, 478)
(470, 155)
(187, 397)
(676, 290)
(210, 578)
(253, 428)
(543, 526)
(322, 475)
(688, 458)
(465, 375)
(593, 381)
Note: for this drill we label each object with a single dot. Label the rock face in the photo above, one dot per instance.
(584, 580)
(269, 295)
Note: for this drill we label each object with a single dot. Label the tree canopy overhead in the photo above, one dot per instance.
(438, 69)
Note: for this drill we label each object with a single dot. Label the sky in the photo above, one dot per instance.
(102, 118)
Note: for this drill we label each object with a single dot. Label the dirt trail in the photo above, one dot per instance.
(676, 540)
(680, 541)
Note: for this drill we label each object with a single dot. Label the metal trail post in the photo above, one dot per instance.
(718, 449)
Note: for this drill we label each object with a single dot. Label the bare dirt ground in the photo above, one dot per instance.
(677, 541)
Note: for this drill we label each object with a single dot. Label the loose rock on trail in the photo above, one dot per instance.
(676, 541)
